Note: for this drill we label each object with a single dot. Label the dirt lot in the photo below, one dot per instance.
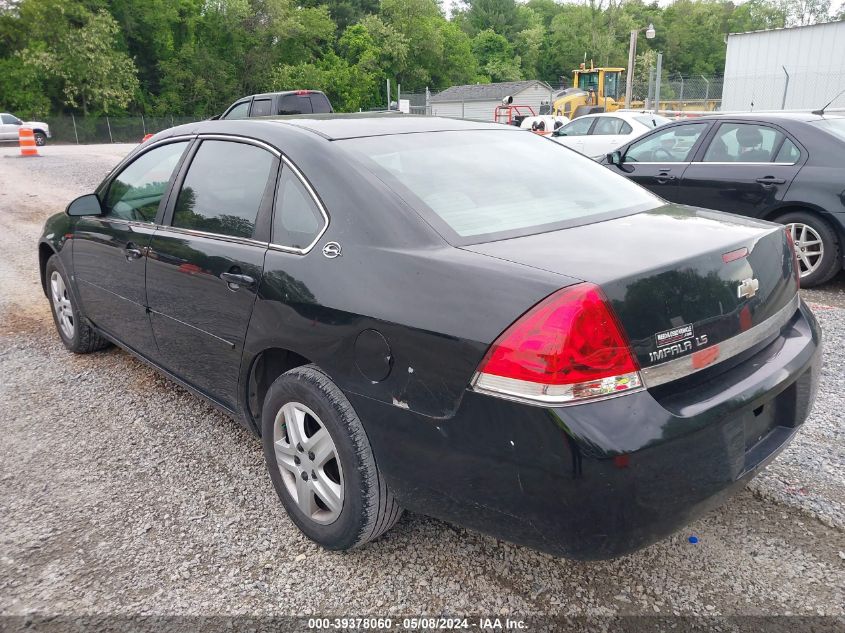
(121, 493)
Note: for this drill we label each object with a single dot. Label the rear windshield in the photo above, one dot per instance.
(834, 126)
(481, 185)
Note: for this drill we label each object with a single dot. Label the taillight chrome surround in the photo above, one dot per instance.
(557, 395)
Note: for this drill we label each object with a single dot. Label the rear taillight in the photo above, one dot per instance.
(795, 266)
(568, 348)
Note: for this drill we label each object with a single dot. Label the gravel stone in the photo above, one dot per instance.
(120, 493)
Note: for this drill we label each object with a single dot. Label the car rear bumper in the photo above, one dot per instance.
(601, 479)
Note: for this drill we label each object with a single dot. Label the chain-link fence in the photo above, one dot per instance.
(125, 129)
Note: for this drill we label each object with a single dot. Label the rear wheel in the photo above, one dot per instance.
(321, 463)
(40, 138)
(816, 245)
(76, 335)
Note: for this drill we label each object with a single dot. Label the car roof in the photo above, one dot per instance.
(343, 126)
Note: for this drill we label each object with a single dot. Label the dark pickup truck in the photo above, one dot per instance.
(273, 103)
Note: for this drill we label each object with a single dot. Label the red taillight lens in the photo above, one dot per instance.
(568, 347)
(795, 265)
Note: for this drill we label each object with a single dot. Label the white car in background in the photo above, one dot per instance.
(596, 135)
(10, 124)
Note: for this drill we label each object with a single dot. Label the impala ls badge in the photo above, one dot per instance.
(331, 250)
(748, 288)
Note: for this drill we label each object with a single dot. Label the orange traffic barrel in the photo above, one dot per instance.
(27, 142)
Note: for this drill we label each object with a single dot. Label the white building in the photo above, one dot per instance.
(796, 68)
(478, 101)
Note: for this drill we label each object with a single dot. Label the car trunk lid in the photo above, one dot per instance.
(680, 279)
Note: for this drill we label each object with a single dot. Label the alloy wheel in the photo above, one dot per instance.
(307, 459)
(62, 304)
(808, 246)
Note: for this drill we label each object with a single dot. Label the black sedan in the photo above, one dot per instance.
(787, 168)
(407, 323)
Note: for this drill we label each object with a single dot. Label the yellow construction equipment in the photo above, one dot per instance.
(602, 90)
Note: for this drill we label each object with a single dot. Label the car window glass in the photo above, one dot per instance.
(297, 219)
(454, 179)
(7, 118)
(223, 189)
(742, 143)
(626, 128)
(788, 153)
(608, 125)
(320, 103)
(136, 192)
(295, 104)
(260, 107)
(579, 127)
(240, 111)
(669, 146)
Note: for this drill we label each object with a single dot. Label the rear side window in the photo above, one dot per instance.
(136, 192)
(788, 153)
(261, 107)
(295, 104)
(670, 146)
(606, 125)
(223, 189)
(297, 219)
(240, 111)
(320, 103)
(743, 143)
(478, 185)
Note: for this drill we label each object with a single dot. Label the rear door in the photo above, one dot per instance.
(206, 263)
(608, 133)
(745, 167)
(658, 161)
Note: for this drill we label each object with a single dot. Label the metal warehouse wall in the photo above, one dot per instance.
(814, 57)
(483, 110)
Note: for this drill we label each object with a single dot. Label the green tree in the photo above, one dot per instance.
(496, 58)
(92, 72)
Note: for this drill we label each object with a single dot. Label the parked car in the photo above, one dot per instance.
(595, 135)
(10, 125)
(272, 103)
(784, 167)
(563, 360)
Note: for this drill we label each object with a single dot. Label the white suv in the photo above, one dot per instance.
(9, 125)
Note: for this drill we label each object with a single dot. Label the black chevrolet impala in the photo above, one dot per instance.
(456, 318)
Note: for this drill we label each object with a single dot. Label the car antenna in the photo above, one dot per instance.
(821, 112)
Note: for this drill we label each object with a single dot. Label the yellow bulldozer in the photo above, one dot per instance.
(603, 90)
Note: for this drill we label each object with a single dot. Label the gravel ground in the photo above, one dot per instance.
(121, 493)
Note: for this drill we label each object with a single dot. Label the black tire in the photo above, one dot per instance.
(368, 508)
(84, 339)
(40, 138)
(831, 260)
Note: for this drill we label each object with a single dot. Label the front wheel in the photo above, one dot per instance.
(816, 246)
(321, 462)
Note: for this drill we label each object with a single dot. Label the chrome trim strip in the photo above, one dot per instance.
(316, 199)
(546, 401)
(682, 367)
(245, 139)
(197, 233)
(709, 162)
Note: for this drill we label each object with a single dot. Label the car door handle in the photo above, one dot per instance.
(663, 178)
(236, 280)
(771, 180)
(132, 252)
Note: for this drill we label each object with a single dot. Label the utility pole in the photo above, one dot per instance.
(629, 80)
(657, 81)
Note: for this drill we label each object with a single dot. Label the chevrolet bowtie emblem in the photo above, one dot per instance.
(748, 288)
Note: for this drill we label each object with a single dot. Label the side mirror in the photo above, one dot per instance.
(615, 158)
(89, 204)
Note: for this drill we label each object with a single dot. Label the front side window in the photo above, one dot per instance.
(579, 127)
(455, 181)
(743, 143)
(669, 146)
(223, 189)
(297, 219)
(136, 192)
(261, 107)
(240, 111)
(8, 119)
